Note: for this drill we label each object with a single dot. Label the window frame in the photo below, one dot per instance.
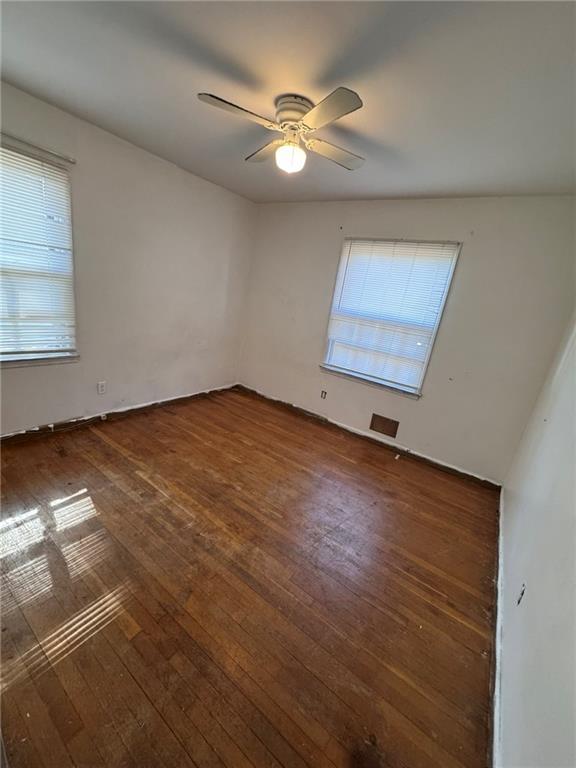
(66, 164)
(365, 378)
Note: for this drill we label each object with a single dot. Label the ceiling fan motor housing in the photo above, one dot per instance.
(290, 108)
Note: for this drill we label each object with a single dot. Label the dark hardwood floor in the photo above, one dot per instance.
(225, 582)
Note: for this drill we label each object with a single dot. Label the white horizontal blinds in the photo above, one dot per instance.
(387, 305)
(37, 292)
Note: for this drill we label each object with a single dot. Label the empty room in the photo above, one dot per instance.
(288, 382)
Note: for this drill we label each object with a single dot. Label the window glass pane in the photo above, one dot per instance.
(387, 305)
(36, 265)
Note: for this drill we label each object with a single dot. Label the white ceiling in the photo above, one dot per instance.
(460, 98)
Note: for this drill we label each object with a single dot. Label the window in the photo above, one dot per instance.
(387, 306)
(37, 291)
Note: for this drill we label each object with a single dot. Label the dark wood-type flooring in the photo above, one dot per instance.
(226, 582)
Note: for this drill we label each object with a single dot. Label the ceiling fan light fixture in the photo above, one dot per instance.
(296, 119)
(290, 157)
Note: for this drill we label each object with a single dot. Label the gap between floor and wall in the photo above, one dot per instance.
(81, 421)
(497, 675)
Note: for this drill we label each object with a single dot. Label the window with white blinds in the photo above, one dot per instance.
(36, 269)
(387, 306)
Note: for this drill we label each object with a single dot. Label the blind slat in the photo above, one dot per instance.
(36, 266)
(387, 306)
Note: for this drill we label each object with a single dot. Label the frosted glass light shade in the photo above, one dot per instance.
(290, 158)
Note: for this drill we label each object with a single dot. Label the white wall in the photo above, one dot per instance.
(537, 686)
(161, 259)
(509, 302)
(183, 286)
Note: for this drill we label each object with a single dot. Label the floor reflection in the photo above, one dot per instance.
(57, 502)
(88, 552)
(39, 561)
(27, 582)
(73, 510)
(67, 638)
(20, 532)
(8, 603)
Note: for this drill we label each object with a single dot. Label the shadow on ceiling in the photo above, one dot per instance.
(399, 26)
(149, 22)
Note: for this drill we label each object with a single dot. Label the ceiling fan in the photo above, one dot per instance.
(297, 119)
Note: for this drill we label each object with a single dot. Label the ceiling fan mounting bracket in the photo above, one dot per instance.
(290, 108)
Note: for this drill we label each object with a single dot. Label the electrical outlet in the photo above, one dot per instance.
(101, 387)
(323, 394)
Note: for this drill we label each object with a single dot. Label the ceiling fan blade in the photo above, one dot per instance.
(265, 152)
(215, 101)
(340, 102)
(338, 155)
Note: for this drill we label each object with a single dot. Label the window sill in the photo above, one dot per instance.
(368, 380)
(33, 361)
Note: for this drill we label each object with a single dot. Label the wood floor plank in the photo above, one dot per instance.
(225, 582)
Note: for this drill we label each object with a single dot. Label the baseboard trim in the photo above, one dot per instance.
(118, 413)
(386, 444)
